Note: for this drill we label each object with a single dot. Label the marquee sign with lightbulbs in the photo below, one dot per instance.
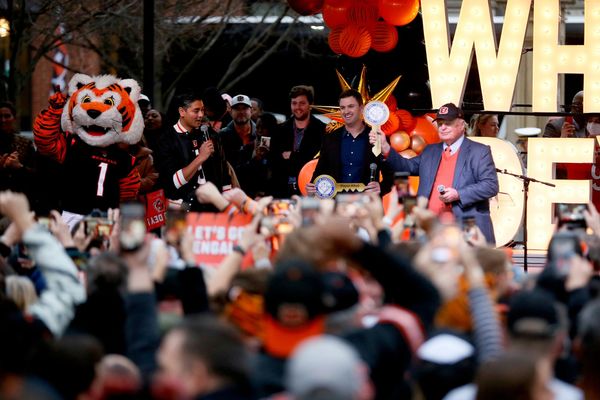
(498, 67)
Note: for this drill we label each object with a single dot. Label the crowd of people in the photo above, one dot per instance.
(320, 298)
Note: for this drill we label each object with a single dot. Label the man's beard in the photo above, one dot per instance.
(302, 117)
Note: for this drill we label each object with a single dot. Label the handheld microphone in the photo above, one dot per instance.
(373, 168)
(441, 189)
(205, 138)
(205, 135)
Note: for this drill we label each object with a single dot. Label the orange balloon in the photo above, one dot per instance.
(306, 7)
(417, 143)
(427, 129)
(335, 15)
(408, 153)
(362, 13)
(391, 125)
(355, 41)
(306, 174)
(391, 103)
(400, 141)
(334, 40)
(407, 121)
(399, 12)
(385, 37)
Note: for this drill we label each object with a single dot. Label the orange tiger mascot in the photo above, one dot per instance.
(100, 112)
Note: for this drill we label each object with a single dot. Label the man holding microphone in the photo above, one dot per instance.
(189, 155)
(457, 175)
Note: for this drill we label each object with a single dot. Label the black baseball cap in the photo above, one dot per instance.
(294, 306)
(449, 112)
(533, 313)
(297, 300)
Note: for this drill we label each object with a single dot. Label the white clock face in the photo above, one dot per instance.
(376, 113)
(325, 186)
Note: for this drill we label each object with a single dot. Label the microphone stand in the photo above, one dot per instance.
(526, 181)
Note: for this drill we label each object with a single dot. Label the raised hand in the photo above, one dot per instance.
(16, 207)
(57, 100)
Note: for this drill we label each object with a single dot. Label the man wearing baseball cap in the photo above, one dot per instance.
(238, 136)
(457, 175)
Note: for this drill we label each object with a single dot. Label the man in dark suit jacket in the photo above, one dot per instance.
(296, 142)
(346, 152)
(474, 181)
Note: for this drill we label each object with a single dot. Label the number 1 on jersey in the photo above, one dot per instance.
(100, 188)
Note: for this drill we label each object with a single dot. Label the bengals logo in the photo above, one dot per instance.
(158, 205)
(443, 110)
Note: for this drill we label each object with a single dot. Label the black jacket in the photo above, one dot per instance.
(330, 162)
(176, 150)
(282, 141)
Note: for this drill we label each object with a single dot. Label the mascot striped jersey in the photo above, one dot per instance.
(100, 112)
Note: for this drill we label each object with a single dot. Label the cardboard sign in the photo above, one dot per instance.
(215, 234)
(156, 208)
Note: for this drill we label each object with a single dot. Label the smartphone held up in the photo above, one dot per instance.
(98, 224)
(133, 226)
(405, 195)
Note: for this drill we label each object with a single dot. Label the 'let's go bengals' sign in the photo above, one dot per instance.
(215, 234)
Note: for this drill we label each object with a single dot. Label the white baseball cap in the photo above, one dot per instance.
(241, 99)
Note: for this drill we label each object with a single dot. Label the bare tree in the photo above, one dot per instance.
(113, 29)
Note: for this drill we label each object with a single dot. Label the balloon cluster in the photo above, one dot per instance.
(408, 135)
(359, 25)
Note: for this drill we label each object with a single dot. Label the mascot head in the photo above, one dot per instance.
(103, 110)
